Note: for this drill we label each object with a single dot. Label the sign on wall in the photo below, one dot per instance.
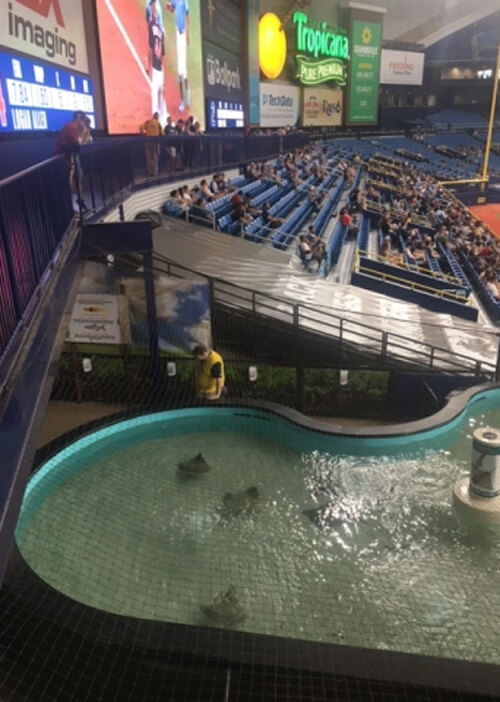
(95, 319)
(401, 67)
(35, 96)
(364, 72)
(50, 30)
(279, 105)
(321, 107)
(322, 51)
(222, 74)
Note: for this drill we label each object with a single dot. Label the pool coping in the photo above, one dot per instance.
(235, 647)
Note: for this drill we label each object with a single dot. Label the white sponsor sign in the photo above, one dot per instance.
(322, 107)
(401, 67)
(279, 105)
(51, 30)
(95, 320)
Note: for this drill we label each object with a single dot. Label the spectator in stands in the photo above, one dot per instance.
(151, 128)
(240, 214)
(209, 377)
(345, 218)
(491, 282)
(305, 251)
(388, 255)
(355, 200)
(317, 245)
(205, 190)
(315, 198)
(214, 185)
(200, 212)
(249, 208)
(237, 197)
(429, 248)
(295, 178)
(186, 195)
(415, 253)
(175, 205)
(269, 221)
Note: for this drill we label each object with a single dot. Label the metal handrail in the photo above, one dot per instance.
(413, 268)
(303, 316)
(414, 285)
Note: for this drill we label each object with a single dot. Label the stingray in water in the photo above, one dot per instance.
(225, 609)
(324, 516)
(195, 465)
(239, 503)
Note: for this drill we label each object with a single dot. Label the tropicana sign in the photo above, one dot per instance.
(323, 51)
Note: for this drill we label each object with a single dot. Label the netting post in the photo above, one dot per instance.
(497, 367)
(157, 389)
(78, 382)
(299, 388)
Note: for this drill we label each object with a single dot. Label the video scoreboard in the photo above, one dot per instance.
(222, 114)
(35, 96)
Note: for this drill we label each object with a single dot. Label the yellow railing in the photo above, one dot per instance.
(419, 287)
(413, 267)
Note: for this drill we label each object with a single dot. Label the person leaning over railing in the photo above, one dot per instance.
(68, 143)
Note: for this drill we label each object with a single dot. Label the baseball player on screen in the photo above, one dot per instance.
(147, 10)
(157, 49)
(180, 9)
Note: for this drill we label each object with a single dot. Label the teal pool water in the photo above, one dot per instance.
(110, 523)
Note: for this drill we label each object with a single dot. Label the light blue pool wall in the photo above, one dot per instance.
(261, 423)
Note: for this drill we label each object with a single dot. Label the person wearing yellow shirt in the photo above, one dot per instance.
(152, 128)
(209, 374)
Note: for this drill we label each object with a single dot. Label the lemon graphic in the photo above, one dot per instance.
(272, 45)
(366, 35)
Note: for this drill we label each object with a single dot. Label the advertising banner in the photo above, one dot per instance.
(50, 30)
(151, 61)
(364, 72)
(222, 73)
(221, 22)
(401, 67)
(35, 96)
(321, 107)
(182, 311)
(279, 105)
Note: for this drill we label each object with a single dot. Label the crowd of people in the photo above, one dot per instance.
(451, 227)
(183, 128)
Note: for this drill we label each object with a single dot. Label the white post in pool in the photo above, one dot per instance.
(479, 494)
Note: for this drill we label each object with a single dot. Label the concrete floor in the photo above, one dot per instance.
(62, 417)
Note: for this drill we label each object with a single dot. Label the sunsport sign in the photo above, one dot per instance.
(50, 30)
(322, 51)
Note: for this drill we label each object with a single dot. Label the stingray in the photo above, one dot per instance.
(225, 609)
(237, 503)
(324, 516)
(194, 465)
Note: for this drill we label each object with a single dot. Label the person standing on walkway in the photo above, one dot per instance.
(209, 376)
(151, 128)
